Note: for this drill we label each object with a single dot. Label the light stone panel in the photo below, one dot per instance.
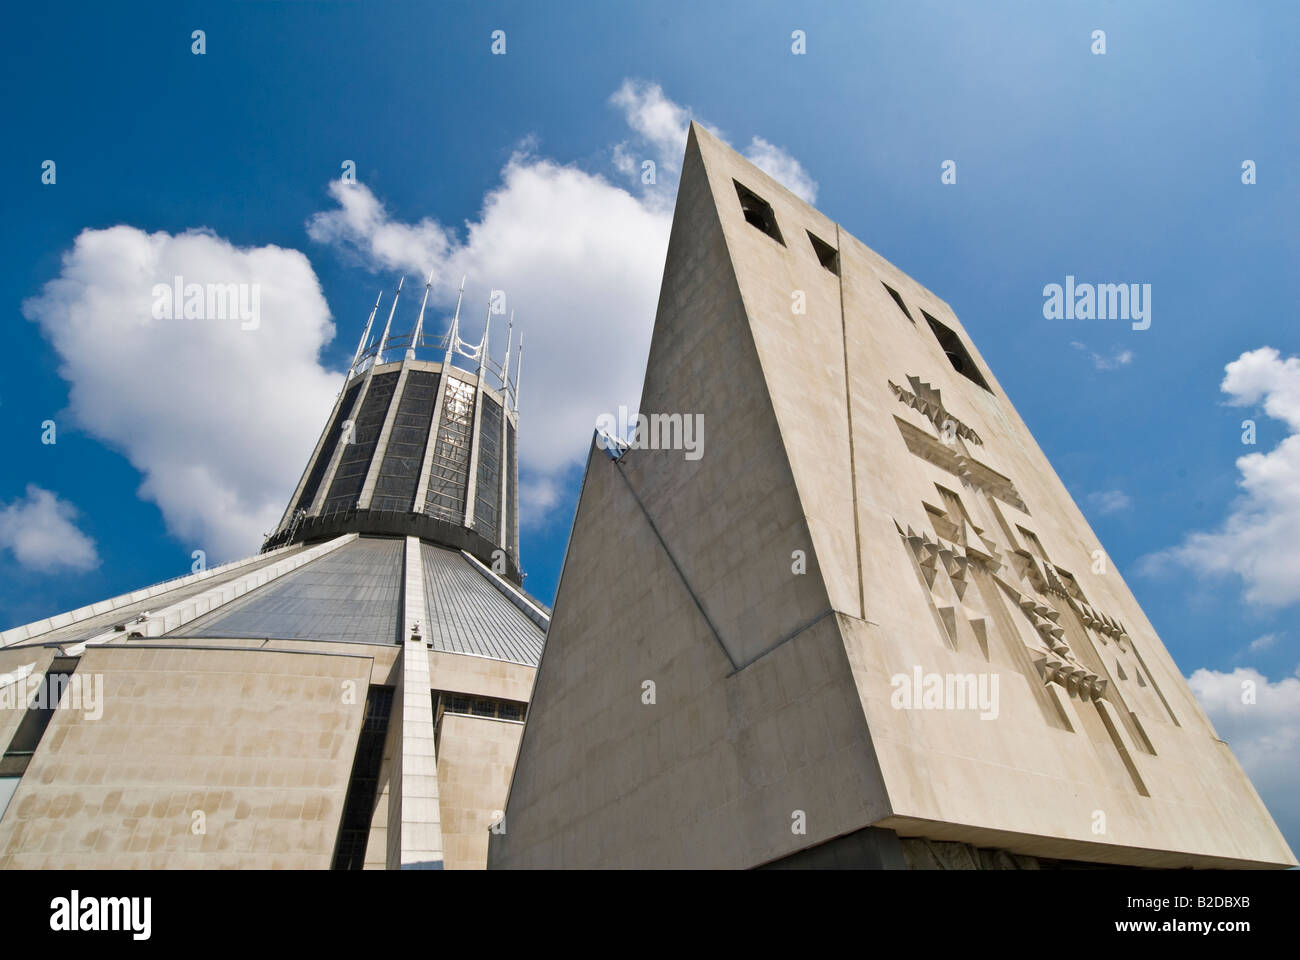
(475, 758)
(260, 742)
(480, 676)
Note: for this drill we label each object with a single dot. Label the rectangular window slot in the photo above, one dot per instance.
(758, 212)
(956, 352)
(826, 254)
(899, 300)
(363, 786)
(32, 726)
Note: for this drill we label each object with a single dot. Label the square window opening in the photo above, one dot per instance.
(758, 212)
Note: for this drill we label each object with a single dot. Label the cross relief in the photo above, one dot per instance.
(954, 548)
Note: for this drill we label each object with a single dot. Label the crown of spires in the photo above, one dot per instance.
(371, 353)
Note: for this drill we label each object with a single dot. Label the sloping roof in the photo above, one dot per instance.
(353, 594)
(470, 612)
(186, 587)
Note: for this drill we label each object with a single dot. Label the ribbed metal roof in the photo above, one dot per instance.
(352, 594)
(471, 613)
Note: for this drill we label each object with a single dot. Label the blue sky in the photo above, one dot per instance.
(1124, 167)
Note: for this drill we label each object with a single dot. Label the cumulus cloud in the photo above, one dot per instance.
(219, 420)
(658, 122)
(660, 127)
(1264, 735)
(580, 259)
(40, 530)
(363, 226)
(782, 167)
(1109, 501)
(1260, 539)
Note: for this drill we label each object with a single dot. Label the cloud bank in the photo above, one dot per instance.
(218, 420)
(1264, 735)
(580, 258)
(1260, 539)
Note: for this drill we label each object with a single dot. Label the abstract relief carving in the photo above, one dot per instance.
(966, 568)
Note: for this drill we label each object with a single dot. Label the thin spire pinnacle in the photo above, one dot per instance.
(505, 367)
(365, 335)
(454, 333)
(519, 366)
(379, 356)
(419, 324)
(483, 345)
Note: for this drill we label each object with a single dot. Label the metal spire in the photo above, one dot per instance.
(379, 355)
(361, 344)
(505, 367)
(483, 345)
(419, 324)
(519, 366)
(454, 333)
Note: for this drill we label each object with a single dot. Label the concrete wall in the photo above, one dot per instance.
(261, 742)
(475, 758)
(480, 676)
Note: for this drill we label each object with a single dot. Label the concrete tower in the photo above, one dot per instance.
(352, 696)
(418, 446)
(868, 626)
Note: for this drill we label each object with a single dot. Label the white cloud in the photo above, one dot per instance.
(1260, 644)
(538, 495)
(40, 530)
(1109, 501)
(657, 121)
(1118, 358)
(362, 225)
(580, 259)
(1260, 539)
(1264, 735)
(662, 126)
(782, 167)
(218, 420)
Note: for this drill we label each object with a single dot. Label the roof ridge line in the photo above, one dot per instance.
(532, 611)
